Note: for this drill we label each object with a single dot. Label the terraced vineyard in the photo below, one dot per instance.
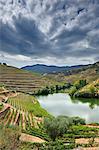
(24, 111)
(27, 103)
(24, 120)
(19, 80)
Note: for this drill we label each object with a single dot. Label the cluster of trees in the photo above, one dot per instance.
(53, 89)
(77, 85)
(58, 126)
(89, 91)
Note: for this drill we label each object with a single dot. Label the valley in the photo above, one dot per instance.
(49, 74)
(25, 105)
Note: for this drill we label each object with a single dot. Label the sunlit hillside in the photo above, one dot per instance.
(90, 90)
(90, 73)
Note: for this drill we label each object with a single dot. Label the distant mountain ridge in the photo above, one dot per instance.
(41, 68)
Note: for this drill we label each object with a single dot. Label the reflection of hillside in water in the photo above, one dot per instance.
(92, 102)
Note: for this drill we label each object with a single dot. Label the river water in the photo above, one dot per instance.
(62, 104)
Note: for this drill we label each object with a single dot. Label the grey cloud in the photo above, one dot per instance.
(29, 32)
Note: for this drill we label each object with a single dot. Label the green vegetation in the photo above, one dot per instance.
(53, 89)
(82, 89)
(58, 126)
(39, 132)
(64, 131)
(26, 113)
(76, 86)
(28, 103)
(1, 106)
(89, 91)
(89, 73)
(9, 138)
(79, 131)
(78, 121)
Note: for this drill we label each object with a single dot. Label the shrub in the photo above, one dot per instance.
(1, 106)
(78, 121)
(56, 127)
(79, 84)
(9, 139)
(92, 89)
(72, 91)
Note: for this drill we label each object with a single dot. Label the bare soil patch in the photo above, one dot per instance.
(29, 138)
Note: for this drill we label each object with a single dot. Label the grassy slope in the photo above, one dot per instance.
(90, 90)
(27, 103)
(91, 74)
(20, 80)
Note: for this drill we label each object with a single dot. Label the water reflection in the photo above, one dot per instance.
(92, 102)
(62, 104)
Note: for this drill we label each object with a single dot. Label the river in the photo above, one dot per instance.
(62, 104)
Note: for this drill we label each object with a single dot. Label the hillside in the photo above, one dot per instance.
(21, 80)
(21, 110)
(89, 91)
(26, 81)
(40, 68)
(90, 73)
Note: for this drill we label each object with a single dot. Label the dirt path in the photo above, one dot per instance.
(13, 117)
(8, 117)
(87, 148)
(23, 120)
(6, 106)
(85, 140)
(31, 122)
(91, 148)
(29, 138)
(91, 126)
(4, 91)
(7, 94)
(16, 119)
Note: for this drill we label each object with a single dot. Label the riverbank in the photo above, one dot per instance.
(83, 89)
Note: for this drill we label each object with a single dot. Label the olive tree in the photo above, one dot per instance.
(57, 126)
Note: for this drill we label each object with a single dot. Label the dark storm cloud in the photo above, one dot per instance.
(57, 29)
(24, 39)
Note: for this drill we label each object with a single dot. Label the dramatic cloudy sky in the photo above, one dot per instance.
(58, 32)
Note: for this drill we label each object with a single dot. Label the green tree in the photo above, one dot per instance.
(78, 121)
(72, 91)
(79, 84)
(56, 127)
(92, 90)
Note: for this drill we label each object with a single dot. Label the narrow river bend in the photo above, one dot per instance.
(62, 104)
